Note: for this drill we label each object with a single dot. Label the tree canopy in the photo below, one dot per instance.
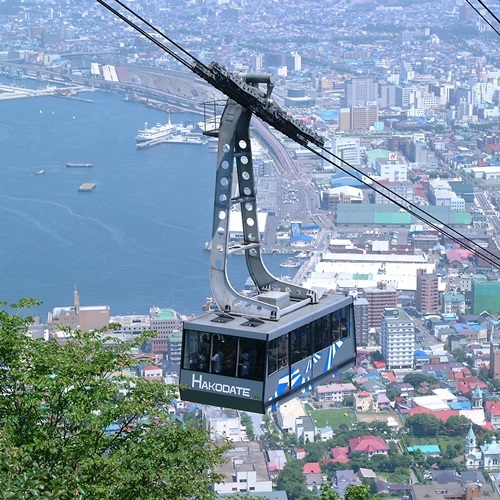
(73, 423)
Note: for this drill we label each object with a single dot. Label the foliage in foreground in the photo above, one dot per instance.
(71, 424)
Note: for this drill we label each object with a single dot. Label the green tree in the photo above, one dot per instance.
(459, 355)
(291, 480)
(458, 425)
(423, 425)
(315, 451)
(328, 493)
(415, 379)
(361, 492)
(246, 420)
(71, 421)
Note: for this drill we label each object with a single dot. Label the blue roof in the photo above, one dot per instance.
(330, 114)
(420, 354)
(342, 179)
(424, 448)
(301, 237)
(460, 405)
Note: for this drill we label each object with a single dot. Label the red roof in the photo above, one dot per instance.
(493, 407)
(458, 255)
(311, 468)
(473, 381)
(151, 368)
(443, 415)
(367, 444)
(339, 454)
(379, 364)
(462, 387)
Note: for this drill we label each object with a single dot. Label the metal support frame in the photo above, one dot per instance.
(234, 152)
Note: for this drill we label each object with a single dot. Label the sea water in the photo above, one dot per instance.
(134, 242)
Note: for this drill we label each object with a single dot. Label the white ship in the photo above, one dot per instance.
(156, 133)
(290, 263)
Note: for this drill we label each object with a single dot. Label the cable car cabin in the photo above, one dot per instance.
(253, 364)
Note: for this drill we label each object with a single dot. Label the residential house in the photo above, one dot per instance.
(276, 461)
(364, 401)
(340, 454)
(288, 413)
(324, 433)
(305, 429)
(311, 468)
(403, 389)
(368, 446)
(493, 414)
(152, 372)
(334, 393)
(343, 479)
(374, 387)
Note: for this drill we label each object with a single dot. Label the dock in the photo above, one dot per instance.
(8, 92)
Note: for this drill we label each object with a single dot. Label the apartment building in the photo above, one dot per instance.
(397, 338)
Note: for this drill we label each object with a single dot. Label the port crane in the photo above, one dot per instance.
(255, 351)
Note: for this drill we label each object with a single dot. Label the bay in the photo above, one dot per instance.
(135, 241)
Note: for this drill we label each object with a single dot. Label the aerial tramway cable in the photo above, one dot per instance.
(403, 205)
(214, 75)
(484, 18)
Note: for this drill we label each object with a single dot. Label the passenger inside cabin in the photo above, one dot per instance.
(244, 366)
(217, 359)
(201, 360)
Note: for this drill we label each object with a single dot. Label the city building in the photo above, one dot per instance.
(360, 92)
(454, 303)
(427, 295)
(441, 193)
(394, 168)
(342, 194)
(404, 189)
(363, 117)
(127, 327)
(76, 317)
(361, 321)
(347, 148)
(397, 338)
(378, 299)
(495, 361)
(245, 469)
(165, 322)
(222, 423)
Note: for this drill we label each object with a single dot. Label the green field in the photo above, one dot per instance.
(333, 418)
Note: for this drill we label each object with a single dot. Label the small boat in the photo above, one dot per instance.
(39, 172)
(79, 165)
(209, 305)
(87, 187)
(290, 263)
